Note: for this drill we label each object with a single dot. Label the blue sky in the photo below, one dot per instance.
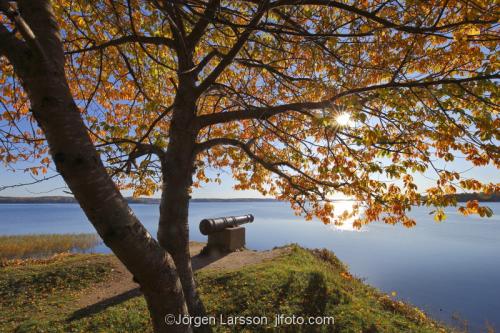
(56, 186)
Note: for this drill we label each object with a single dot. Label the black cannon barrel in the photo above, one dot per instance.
(209, 226)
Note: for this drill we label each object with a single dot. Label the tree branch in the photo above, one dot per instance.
(36, 181)
(303, 108)
(200, 27)
(228, 58)
(270, 166)
(373, 17)
(11, 11)
(126, 39)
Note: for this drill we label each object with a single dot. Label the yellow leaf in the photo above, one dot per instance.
(473, 31)
(439, 216)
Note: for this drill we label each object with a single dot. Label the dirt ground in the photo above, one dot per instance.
(121, 287)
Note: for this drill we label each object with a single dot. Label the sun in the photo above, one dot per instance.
(344, 119)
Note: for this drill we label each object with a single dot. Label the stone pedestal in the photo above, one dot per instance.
(227, 240)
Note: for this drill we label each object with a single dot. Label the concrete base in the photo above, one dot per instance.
(227, 240)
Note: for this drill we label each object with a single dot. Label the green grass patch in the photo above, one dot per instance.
(37, 297)
(43, 291)
(308, 284)
(23, 246)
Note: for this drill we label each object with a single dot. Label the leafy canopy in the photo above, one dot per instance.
(299, 99)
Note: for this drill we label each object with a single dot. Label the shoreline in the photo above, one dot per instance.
(461, 197)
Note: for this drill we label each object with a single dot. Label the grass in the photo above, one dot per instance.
(43, 290)
(308, 283)
(23, 246)
(39, 297)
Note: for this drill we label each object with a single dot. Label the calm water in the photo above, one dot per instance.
(447, 268)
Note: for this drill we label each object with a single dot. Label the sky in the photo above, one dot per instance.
(56, 186)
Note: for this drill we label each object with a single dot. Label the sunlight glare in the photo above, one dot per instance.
(344, 119)
(341, 206)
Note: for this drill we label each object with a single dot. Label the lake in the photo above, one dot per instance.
(448, 268)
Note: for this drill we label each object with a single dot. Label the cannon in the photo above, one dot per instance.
(209, 226)
(225, 234)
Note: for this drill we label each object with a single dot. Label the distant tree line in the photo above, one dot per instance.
(68, 199)
(461, 197)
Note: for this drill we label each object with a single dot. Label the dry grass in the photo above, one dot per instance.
(24, 246)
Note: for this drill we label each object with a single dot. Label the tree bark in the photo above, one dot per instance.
(177, 171)
(173, 230)
(43, 77)
(173, 234)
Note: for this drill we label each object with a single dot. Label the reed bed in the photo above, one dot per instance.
(38, 246)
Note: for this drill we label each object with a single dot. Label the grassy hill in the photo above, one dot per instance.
(42, 296)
